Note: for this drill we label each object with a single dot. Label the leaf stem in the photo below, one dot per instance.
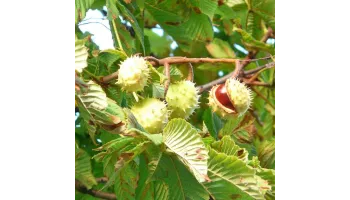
(117, 35)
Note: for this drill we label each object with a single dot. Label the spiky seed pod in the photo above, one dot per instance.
(182, 99)
(230, 99)
(133, 74)
(151, 113)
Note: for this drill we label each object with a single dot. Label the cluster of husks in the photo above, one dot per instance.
(229, 99)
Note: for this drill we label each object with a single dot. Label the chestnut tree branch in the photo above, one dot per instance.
(245, 62)
(190, 72)
(99, 194)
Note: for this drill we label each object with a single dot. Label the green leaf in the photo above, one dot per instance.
(207, 7)
(266, 154)
(161, 190)
(181, 22)
(81, 55)
(182, 184)
(235, 3)
(126, 182)
(220, 49)
(186, 143)
(227, 146)
(135, 127)
(113, 12)
(157, 90)
(160, 45)
(213, 123)
(127, 156)
(83, 171)
(131, 18)
(231, 125)
(253, 43)
(94, 99)
(254, 26)
(231, 178)
(81, 6)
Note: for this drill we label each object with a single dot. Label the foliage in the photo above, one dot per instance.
(201, 157)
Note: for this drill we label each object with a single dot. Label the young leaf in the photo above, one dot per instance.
(231, 178)
(131, 18)
(186, 143)
(182, 184)
(213, 123)
(220, 49)
(81, 55)
(83, 171)
(126, 182)
(227, 146)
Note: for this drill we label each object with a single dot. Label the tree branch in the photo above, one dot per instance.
(99, 194)
(244, 63)
(252, 71)
(182, 60)
(190, 72)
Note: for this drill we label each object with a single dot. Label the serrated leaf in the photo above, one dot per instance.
(126, 182)
(81, 55)
(186, 143)
(112, 9)
(213, 123)
(81, 7)
(161, 190)
(253, 43)
(135, 127)
(94, 99)
(220, 49)
(266, 154)
(181, 22)
(131, 18)
(83, 171)
(127, 156)
(207, 7)
(231, 178)
(157, 90)
(227, 146)
(182, 184)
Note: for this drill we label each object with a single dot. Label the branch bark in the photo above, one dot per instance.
(245, 62)
(99, 194)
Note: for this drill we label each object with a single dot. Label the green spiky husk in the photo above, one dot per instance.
(152, 114)
(182, 98)
(133, 74)
(239, 95)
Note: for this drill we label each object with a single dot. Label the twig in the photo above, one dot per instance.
(267, 66)
(181, 60)
(258, 83)
(190, 72)
(262, 96)
(102, 179)
(236, 73)
(110, 77)
(245, 62)
(99, 194)
(256, 117)
(167, 74)
(117, 35)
